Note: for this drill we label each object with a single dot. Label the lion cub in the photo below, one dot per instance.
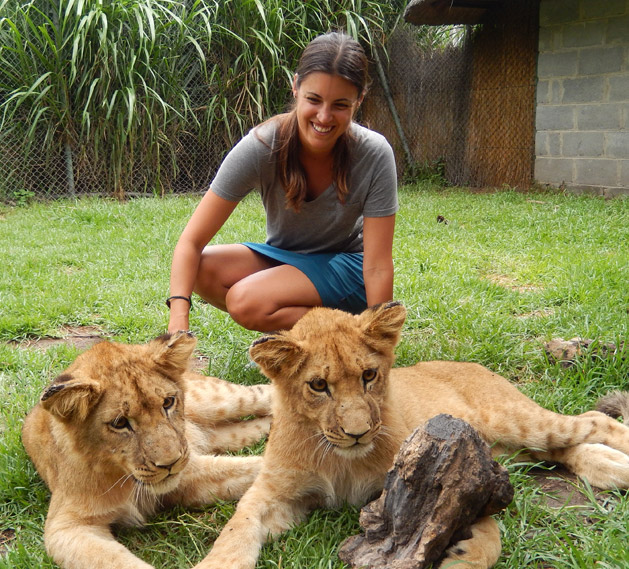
(114, 442)
(340, 414)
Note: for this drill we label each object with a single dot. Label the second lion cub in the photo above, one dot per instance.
(340, 414)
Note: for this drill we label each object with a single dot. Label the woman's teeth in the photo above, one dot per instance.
(321, 129)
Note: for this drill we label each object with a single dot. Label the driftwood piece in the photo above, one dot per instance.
(443, 478)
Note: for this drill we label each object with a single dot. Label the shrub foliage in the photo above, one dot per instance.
(113, 90)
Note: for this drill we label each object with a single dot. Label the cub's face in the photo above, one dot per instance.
(332, 370)
(343, 397)
(123, 406)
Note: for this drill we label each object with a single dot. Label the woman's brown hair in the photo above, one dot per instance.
(336, 54)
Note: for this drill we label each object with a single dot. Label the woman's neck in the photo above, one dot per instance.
(319, 169)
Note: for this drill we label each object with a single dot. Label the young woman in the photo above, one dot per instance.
(329, 189)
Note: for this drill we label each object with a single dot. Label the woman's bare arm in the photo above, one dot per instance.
(207, 219)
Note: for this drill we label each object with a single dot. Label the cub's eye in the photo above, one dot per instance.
(120, 423)
(318, 384)
(369, 375)
(169, 402)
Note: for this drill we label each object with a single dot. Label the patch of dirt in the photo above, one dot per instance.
(537, 313)
(199, 363)
(566, 352)
(6, 537)
(560, 488)
(81, 337)
(84, 337)
(511, 283)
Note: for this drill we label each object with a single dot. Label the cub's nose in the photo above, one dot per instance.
(356, 436)
(168, 466)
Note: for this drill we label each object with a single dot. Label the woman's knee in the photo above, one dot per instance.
(222, 266)
(246, 307)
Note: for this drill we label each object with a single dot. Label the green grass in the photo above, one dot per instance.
(508, 272)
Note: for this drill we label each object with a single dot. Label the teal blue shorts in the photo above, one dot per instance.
(338, 277)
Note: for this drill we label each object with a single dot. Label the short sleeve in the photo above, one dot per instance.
(382, 199)
(240, 170)
(374, 173)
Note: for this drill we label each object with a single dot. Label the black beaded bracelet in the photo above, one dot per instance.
(188, 298)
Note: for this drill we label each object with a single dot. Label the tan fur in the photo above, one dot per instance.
(340, 414)
(114, 443)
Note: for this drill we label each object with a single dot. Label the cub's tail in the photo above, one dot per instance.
(615, 404)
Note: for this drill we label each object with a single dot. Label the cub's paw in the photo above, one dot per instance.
(480, 551)
(602, 466)
(612, 471)
(461, 556)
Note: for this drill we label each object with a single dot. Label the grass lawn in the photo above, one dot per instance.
(506, 273)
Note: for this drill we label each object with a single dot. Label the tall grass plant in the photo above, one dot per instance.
(114, 90)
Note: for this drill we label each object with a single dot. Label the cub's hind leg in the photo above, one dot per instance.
(550, 435)
(239, 434)
(480, 551)
(602, 456)
(212, 400)
(215, 409)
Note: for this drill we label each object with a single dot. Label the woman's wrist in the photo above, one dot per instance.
(178, 297)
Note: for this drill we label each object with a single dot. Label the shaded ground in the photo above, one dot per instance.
(81, 337)
(560, 488)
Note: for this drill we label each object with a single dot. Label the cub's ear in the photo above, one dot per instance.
(172, 352)
(382, 325)
(70, 399)
(278, 356)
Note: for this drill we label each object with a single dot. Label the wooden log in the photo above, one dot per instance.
(443, 479)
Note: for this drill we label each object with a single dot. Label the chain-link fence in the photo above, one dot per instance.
(33, 171)
(455, 101)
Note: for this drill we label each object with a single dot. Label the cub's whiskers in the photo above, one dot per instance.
(121, 481)
(144, 496)
(324, 448)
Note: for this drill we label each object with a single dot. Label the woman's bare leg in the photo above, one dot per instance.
(258, 293)
(272, 299)
(222, 266)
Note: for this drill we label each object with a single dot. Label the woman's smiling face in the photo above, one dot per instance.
(325, 107)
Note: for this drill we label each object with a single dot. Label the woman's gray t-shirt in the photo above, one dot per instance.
(323, 225)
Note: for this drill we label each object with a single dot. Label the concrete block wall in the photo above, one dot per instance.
(582, 116)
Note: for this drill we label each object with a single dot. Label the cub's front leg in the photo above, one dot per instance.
(76, 543)
(210, 400)
(267, 509)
